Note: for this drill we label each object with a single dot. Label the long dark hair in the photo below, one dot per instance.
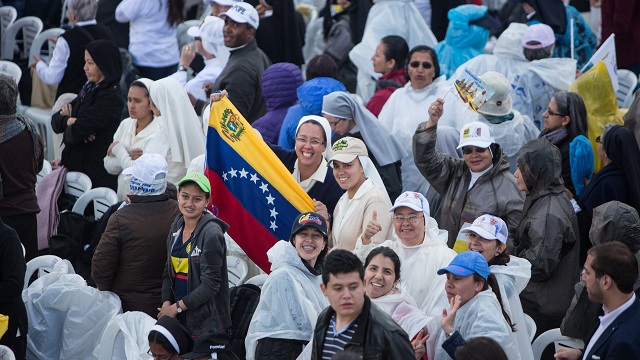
(175, 14)
(571, 104)
(396, 48)
(495, 287)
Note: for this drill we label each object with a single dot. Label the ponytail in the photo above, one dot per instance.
(493, 283)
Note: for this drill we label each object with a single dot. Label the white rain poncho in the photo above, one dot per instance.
(419, 266)
(387, 17)
(290, 301)
(405, 110)
(507, 57)
(66, 316)
(481, 316)
(512, 279)
(132, 341)
(403, 310)
(532, 90)
(512, 134)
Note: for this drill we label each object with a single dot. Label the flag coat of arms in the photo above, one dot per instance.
(251, 189)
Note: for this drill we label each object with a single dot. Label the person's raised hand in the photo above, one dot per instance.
(448, 317)
(373, 227)
(320, 208)
(418, 344)
(217, 96)
(564, 353)
(188, 54)
(435, 112)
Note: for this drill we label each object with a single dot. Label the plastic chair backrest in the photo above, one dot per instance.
(42, 264)
(76, 184)
(531, 327)
(8, 14)
(181, 32)
(31, 26)
(37, 47)
(42, 119)
(237, 270)
(102, 198)
(553, 336)
(46, 168)
(627, 82)
(6, 353)
(12, 69)
(257, 280)
(109, 341)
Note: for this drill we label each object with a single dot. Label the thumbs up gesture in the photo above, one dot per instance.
(373, 227)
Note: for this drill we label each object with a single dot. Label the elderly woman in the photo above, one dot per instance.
(478, 184)
(388, 60)
(382, 285)
(348, 118)
(421, 246)
(133, 135)
(405, 109)
(547, 235)
(89, 122)
(476, 307)
(618, 179)
(291, 299)
(364, 196)
(488, 236)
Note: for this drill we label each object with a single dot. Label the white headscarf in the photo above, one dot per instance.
(179, 119)
(325, 126)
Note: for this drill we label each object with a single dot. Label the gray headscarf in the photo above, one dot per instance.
(385, 148)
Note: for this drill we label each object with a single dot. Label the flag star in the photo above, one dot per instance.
(224, 176)
(264, 187)
(243, 173)
(254, 178)
(273, 225)
(274, 213)
(270, 199)
(234, 173)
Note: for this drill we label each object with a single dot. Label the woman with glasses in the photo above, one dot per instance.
(478, 184)
(421, 246)
(291, 299)
(404, 110)
(168, 339)
(348, 118)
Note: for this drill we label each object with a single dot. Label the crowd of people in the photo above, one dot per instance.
(442, 225)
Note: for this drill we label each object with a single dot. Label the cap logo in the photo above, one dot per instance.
(239, 9)
(214, 347)
(472, 132)
(308, 218)
(340, 144)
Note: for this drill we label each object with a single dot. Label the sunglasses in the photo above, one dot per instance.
(469, 149)
(425, 64)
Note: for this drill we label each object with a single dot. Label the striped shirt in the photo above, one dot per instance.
(335, 341)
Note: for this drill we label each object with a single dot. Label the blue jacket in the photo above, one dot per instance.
(279, 84)
(310, 96)
(621, 340)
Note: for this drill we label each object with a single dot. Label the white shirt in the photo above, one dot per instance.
(605, 322)
(319, 175)
(52, 74)
(152, 41)
(212, 69)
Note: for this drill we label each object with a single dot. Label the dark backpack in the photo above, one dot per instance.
(243, 300)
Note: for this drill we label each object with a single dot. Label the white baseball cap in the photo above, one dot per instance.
(414, 201)
(210, 31)
(149, 173)
(243, 13)
(476, 134)
(489, 227)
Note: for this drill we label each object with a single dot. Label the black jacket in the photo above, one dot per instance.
(377, 336)
(208, 283)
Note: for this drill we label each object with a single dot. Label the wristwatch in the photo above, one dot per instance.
(182, 68)
(448, 335)
(178, 308)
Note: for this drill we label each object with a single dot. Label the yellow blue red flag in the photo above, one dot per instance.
(251, 189)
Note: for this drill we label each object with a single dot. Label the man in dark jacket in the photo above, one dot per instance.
(131, 255)
(242, 76)
(351, 322)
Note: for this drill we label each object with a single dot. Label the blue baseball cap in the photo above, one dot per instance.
(467, 263)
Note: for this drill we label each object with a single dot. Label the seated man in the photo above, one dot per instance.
(351, 322)
(609, 273)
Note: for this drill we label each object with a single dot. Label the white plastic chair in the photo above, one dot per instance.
(42, 119)
(237, 270)
(627, 82)
(31, 26)
(11, 69)
(553, 336)
(76, 183)
(42, 264)
(257, 280)
(102, 198)
(6, 353)
(38, 45)
(531, 327)
(46, 168)
(181, 32)
(8, 14)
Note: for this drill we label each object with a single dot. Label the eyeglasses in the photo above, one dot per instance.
(425, 64)
(313, 142)
(551, 113)
(598, 139)
(411, 218)
(469, 149)
(334, 123)
(157, 357)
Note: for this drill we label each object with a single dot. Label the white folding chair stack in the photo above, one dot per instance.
(8, 15)
(31, 26)
(38, 46)
(237, 270)
(11, 69)
(76, 184)
(42, 265)
(627, 82)
(102, 198)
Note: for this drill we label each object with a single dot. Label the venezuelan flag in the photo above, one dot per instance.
(251, 189)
